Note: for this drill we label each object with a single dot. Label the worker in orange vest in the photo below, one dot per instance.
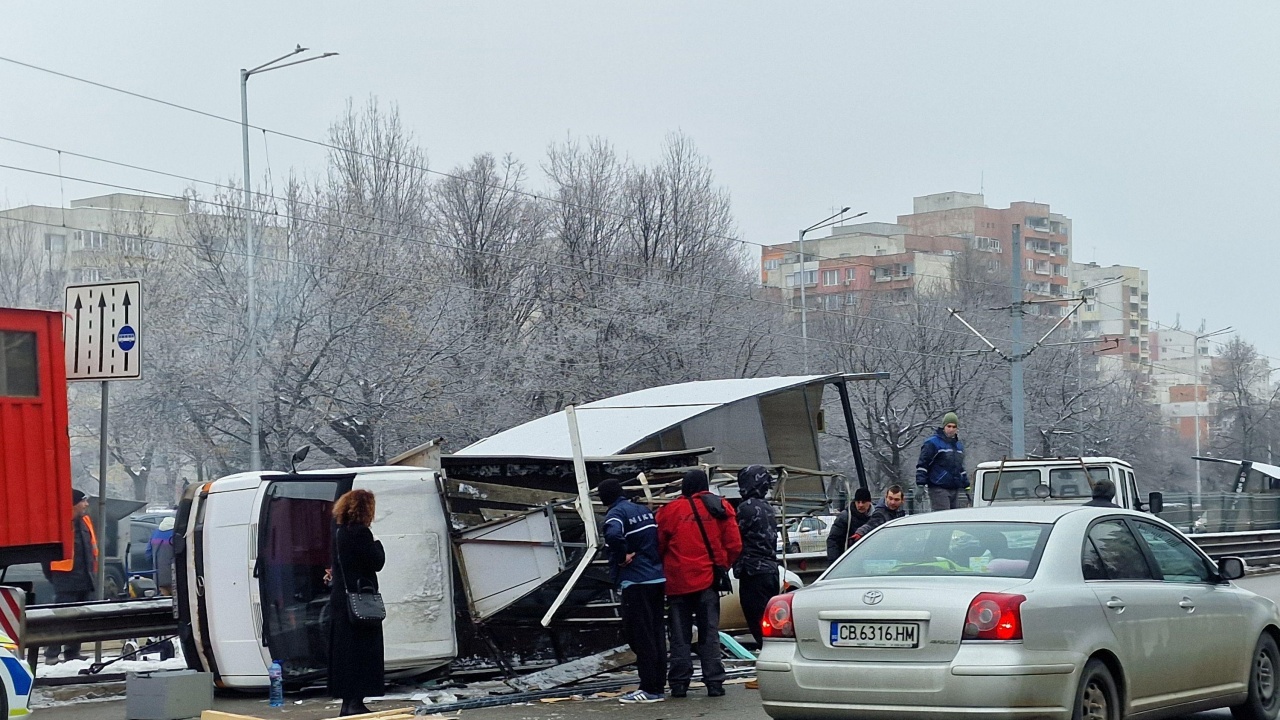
(73, 579)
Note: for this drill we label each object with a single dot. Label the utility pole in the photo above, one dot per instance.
(255, 450)
(1017, 404)
(804, 304)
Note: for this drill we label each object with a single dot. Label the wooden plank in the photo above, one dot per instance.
(218, 715)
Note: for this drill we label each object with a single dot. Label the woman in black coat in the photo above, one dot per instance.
(355, 653)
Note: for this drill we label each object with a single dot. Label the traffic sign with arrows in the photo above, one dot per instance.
(102, 330)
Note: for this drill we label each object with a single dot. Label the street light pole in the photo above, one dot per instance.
(1195, 351)
(255, 450)
(804, 305)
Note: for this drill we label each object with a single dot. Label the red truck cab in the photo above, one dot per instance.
(35, 450)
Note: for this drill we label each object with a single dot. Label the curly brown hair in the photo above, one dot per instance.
(355, 508)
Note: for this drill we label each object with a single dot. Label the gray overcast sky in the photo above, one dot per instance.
(1155, 126)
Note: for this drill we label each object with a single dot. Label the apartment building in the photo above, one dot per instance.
(858, 261)
(1046, 237)
(1114, 313)
(1181, 380)
(918, 253)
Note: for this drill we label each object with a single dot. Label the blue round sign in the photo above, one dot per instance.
(126, 338)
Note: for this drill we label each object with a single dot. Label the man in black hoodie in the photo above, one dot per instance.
(757, 566)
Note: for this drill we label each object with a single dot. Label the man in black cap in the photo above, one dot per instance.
(846, 522)
(757, 566)
(631, 543)
(72, 578)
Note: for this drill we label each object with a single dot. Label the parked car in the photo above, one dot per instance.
(807, 534)
(1022, 611)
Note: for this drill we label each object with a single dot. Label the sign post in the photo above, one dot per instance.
(102, 331)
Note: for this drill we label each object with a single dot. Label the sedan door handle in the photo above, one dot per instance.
(1186, 604)
(1115, 603)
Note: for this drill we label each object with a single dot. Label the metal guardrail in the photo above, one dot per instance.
(93, 621)
(1257, 547)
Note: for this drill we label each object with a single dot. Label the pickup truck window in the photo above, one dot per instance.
(1072, 483)
(1014, 484)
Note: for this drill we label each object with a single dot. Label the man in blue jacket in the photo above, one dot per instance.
(940, 470)
(631, 543)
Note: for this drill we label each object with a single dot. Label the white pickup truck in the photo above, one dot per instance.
(1063, 481)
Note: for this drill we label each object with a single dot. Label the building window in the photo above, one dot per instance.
(987, 244)
(131, 245)
(772, 264)
(850, 298)
(850, 274)
(1031, 265)
(1060, 270)
(831, 302)
(830, 277)
(91, 239)
(55, 243)
(90, 274)
(810, 278)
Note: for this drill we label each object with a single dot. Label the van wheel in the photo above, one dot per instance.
(1263, 702)
(1096, 698)
(793, 548)
(113, 585)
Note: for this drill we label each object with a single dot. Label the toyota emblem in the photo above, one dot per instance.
(872, 597)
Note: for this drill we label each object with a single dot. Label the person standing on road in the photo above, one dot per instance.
(852, 518)
(757, 566)
(160, 553)
(890, 508)
(73, 578)
(686, 527)
(355, 651)
(940, 470)
(631, 543)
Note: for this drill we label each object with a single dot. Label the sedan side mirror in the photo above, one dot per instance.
(1155, 503)
(1231, 567)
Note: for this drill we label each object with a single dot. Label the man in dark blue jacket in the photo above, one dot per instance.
(940, 470)
(631, 543)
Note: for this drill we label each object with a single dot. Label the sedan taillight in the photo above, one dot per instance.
(994, 616)
(777, 622)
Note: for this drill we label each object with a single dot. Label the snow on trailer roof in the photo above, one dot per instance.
(612, 425)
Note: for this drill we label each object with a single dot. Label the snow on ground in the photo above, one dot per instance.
(72, 668)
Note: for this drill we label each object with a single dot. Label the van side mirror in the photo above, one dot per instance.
(1231, 567)
(298, 456)
(1155, 503)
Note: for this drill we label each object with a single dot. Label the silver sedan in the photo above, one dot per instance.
(1022, 612)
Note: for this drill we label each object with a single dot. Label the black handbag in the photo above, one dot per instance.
(720, 580)
(364, 604)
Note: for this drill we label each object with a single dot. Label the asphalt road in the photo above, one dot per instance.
(738, 704)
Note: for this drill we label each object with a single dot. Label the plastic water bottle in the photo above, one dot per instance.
(276, 673)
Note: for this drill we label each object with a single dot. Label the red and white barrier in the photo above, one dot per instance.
(13, 602)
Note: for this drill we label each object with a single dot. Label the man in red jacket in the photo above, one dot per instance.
(695, 533)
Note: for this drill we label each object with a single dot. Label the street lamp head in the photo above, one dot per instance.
(844, 210)
(300, 49)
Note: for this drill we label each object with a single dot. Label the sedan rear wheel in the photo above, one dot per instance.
(1097, 698)
(1263, 702)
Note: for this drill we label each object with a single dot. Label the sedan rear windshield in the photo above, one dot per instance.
(983, 549)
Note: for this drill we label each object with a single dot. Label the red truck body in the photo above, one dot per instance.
(35, 450)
